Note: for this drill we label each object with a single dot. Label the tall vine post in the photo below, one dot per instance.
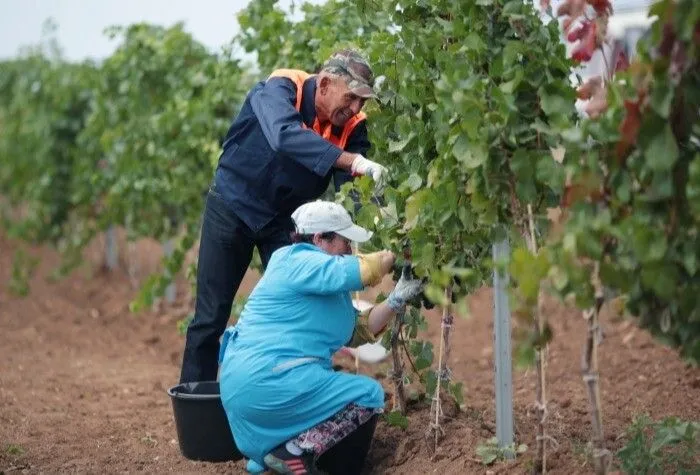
(589, 369)
(540, 323)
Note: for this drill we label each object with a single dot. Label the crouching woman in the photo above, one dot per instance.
(285, 404)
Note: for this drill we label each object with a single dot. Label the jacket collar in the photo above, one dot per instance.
(308, 106)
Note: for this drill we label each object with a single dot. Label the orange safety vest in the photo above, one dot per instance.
(299, 77)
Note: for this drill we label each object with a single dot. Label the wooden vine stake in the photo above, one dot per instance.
(443, 376)
(541, 364)
(356, 250)
(589, 367)
(399, 400)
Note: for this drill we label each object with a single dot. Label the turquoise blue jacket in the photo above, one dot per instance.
(276, 375)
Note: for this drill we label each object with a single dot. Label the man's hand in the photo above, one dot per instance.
(363, 166)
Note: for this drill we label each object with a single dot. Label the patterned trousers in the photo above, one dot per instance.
(344, 437)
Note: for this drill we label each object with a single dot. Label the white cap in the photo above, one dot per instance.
(326, 216)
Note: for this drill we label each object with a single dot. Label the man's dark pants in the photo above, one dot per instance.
(225, 251)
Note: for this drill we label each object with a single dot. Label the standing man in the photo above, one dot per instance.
(295, 132)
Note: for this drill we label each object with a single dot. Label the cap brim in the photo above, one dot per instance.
(364, 91)
(355, 233)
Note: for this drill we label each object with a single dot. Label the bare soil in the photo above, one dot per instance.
(83, 381)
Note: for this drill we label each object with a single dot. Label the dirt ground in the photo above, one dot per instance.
(83, 382)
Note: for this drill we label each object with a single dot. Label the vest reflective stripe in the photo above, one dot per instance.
(298, 77)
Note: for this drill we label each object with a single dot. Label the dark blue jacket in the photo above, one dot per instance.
(270, 165)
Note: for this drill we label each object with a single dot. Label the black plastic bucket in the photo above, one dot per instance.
(348, 456)
(202, 427)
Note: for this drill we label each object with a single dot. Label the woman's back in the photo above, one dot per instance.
(301, 308)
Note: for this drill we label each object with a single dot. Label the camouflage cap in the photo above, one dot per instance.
(354, 69)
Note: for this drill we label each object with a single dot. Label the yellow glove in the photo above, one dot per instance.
(374, 266)
(361, 334)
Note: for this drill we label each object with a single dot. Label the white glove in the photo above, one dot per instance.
(404, 291)
(364, 166)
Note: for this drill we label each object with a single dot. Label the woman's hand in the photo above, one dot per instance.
(406, 289)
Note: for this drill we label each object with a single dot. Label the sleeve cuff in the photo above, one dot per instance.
(353, 272)
(325, 162)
